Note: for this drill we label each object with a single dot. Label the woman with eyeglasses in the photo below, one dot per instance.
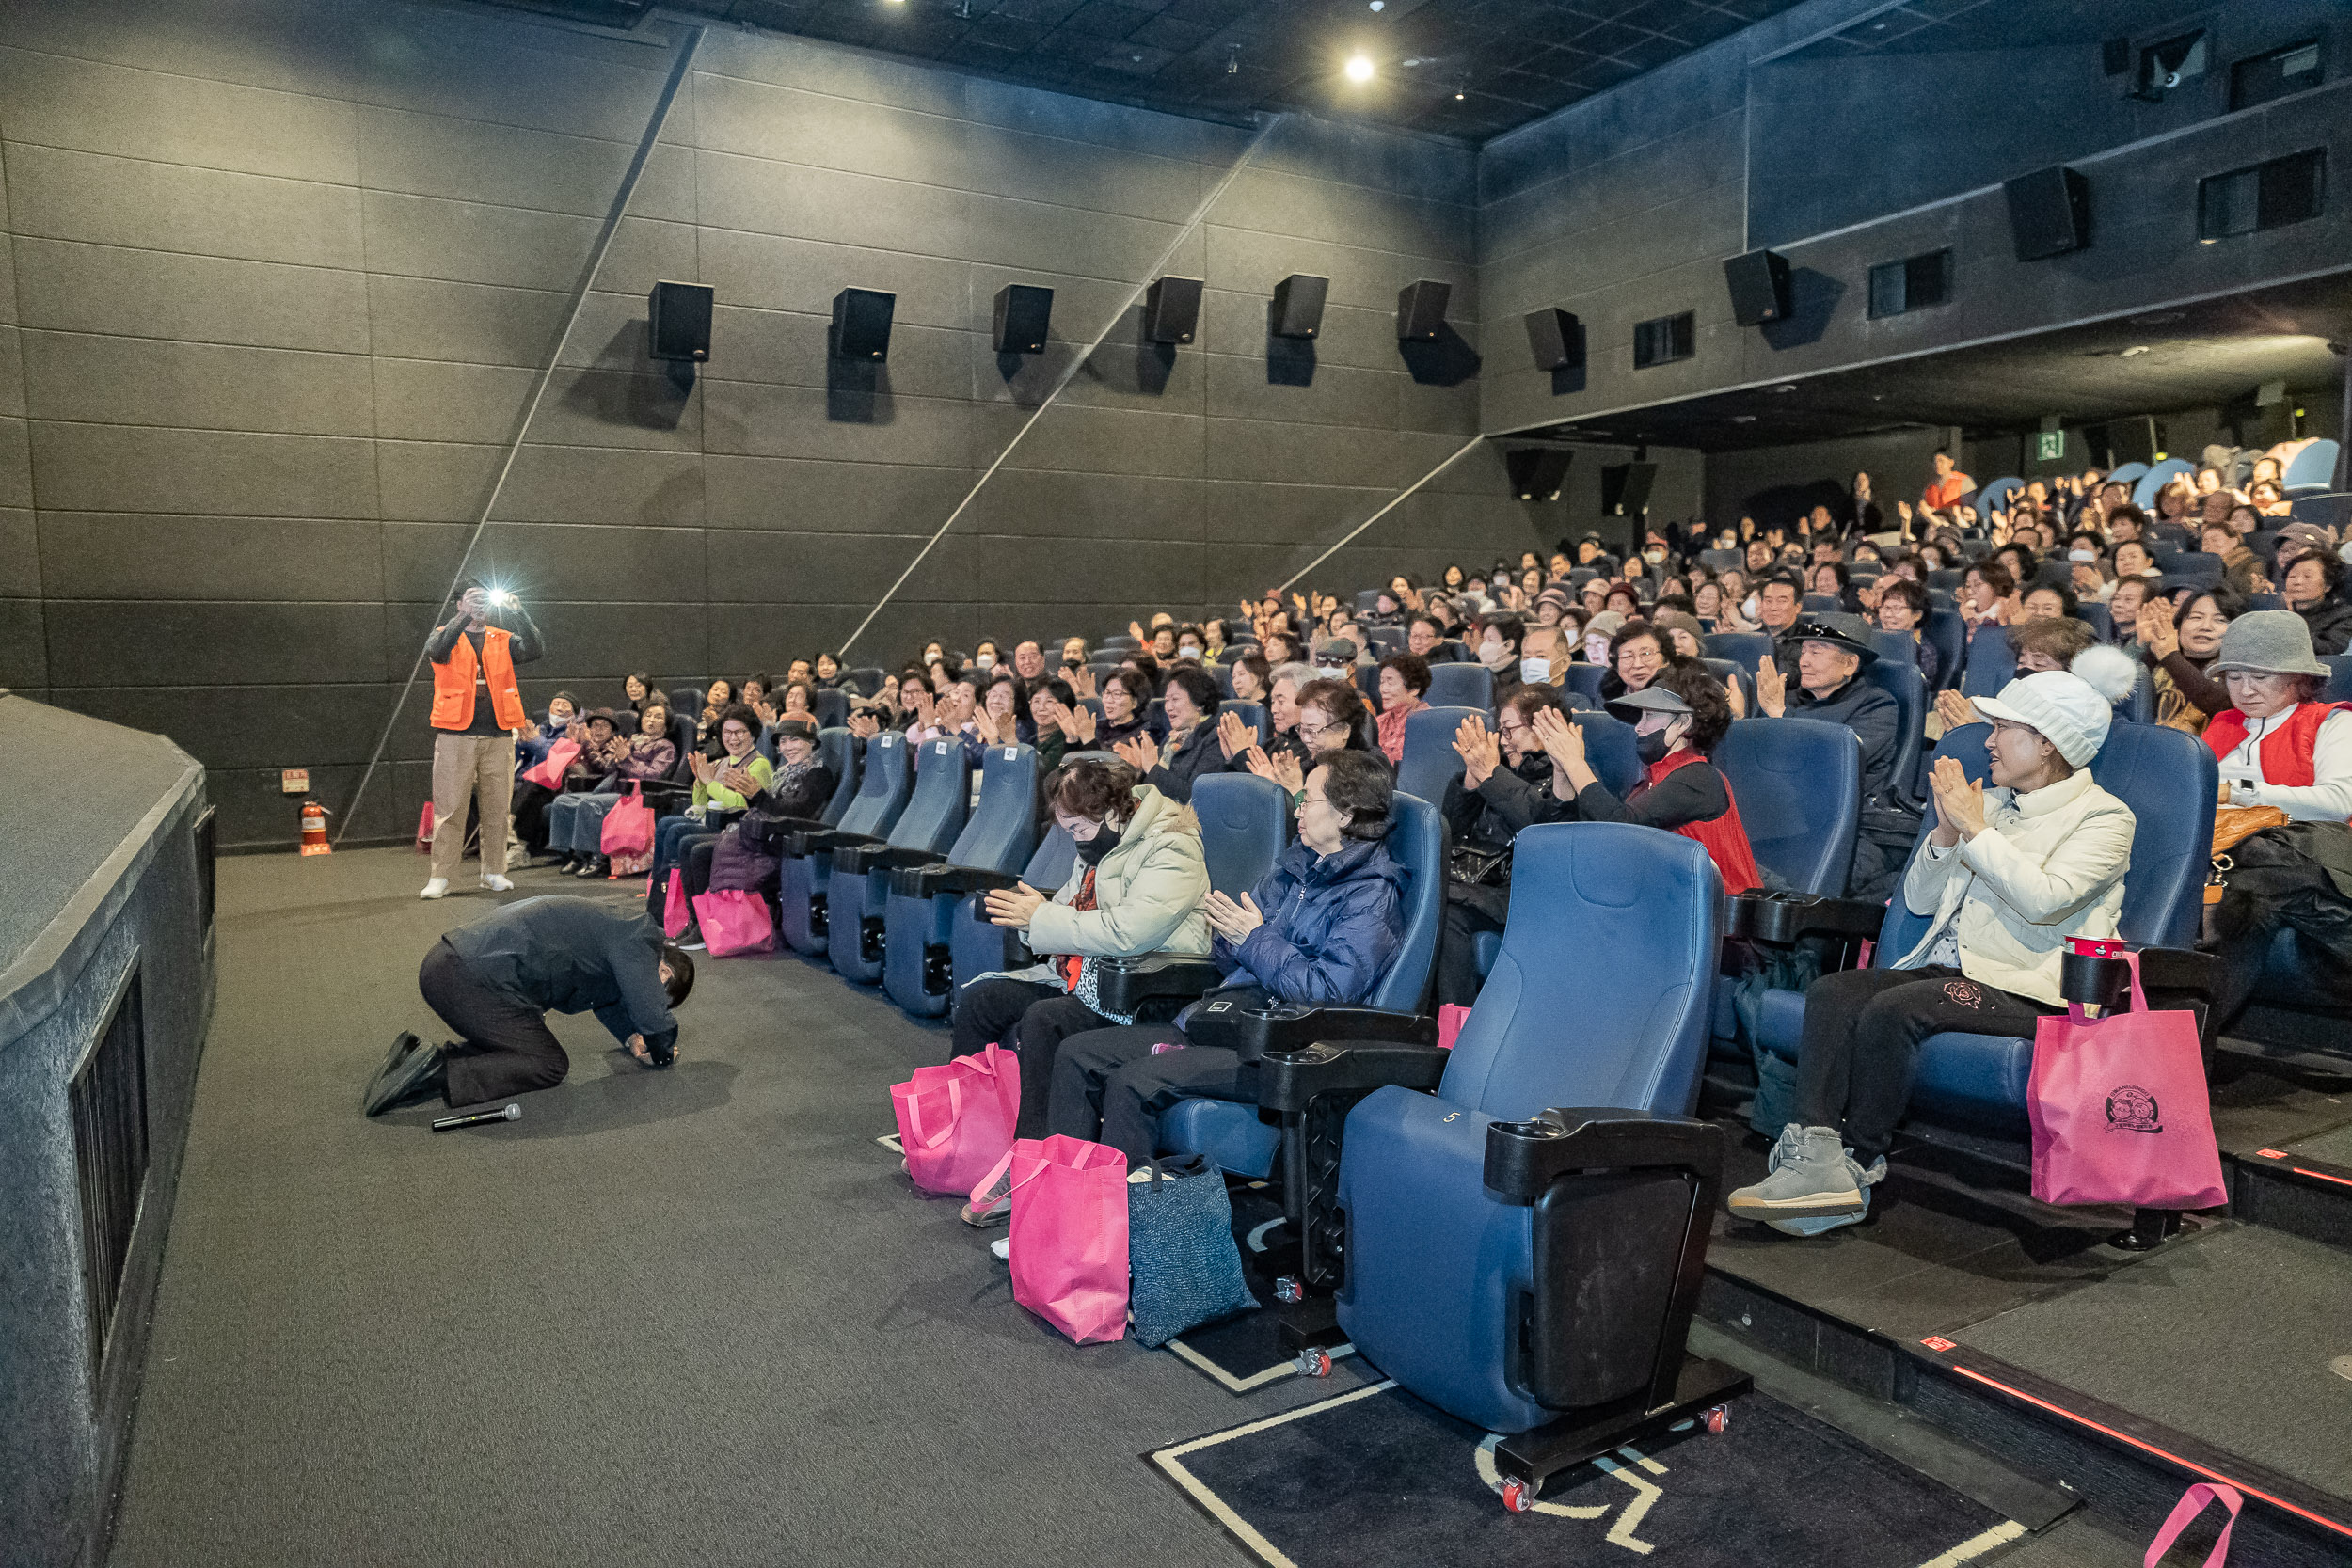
(1330, 718)
(1505, 786)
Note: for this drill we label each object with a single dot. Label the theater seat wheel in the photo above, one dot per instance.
(1718, 1417)
(1519, 1496)
(1314, 1362)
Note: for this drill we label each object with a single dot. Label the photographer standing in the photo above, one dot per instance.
(476, 709)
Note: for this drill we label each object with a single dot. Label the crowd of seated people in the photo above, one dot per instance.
(2223, 605)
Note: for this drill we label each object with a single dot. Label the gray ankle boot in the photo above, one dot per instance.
(1812, 1176)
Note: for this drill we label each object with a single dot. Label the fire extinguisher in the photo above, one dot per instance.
(314, 830)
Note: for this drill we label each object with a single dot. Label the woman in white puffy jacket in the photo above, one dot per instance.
(2006, 877)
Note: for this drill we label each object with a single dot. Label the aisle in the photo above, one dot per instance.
(691, 1317)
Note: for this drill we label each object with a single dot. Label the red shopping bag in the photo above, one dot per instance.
(1070, 1236)
(676, 917)
(547, 772)
(956, 1121)
(424, 831)
(628, 827)
(735, 922)
(2119, 1109)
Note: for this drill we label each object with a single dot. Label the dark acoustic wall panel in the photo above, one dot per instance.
(262, 445)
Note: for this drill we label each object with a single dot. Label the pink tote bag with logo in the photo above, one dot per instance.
(1070, 1236)
(676, 916)
(2119, 1109)
(547, 773)
(956, 1120)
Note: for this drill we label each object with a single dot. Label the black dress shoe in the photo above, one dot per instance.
(402, 1046)
(422, 1076)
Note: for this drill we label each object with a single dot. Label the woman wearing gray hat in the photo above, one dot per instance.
(2278, 745)
(2007, 876)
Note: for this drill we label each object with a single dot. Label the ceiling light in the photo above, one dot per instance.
(1743, 419)
(1457, 98)
(1379, 5)
(1785, 386)
(2138, 348)
(1360, 68)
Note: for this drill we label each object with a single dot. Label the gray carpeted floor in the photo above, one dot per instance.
(2226, 1336)
(2335, 1148)
(690, 1317)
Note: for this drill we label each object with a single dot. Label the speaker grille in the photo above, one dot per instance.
(108, 1095)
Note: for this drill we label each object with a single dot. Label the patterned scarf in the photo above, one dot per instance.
(1074, 963)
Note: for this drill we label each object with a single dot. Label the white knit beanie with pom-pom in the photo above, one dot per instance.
(2108, 670)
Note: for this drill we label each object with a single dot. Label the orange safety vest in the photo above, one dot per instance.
(453, 682)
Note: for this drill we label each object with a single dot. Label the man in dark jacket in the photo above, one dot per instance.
(1505, 786)
(495, 980)
(1320, 928)
(1832, 652)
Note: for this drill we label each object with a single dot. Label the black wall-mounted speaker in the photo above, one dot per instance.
(1552, 337)
(2137, 439)
(1298, 304)
(1024, 312)
(1536, 472)
(1171, 310)
(1624, 488)
(1420, 311)
(860, 323)
(2049, 213)
(678, 322)
(1759, 287)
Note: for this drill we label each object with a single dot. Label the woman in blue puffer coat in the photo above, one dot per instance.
(1320, 929)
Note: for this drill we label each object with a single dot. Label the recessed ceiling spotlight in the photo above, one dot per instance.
(1360, 68)
(1457, 98)
(1379, 4)
(2136, 348)
(1785, 386)
(1743, 419)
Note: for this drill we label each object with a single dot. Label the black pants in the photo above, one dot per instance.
(1034, 1019)
(1108, 1087)
(1457, 953)
(658, 885)
(1862, 1034)
(530, 815)
(504, 1046)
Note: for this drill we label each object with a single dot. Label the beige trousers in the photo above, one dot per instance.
(466, 769)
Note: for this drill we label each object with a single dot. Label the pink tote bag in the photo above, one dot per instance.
(676, 916)
(2120, 1112)
(547, 772)
(2193, 1502)
(628, 827)
(1070, 1236)
(734, 922)
(956, 1120)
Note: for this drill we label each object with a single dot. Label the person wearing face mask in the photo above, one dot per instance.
(2280, 745)
(1320, 929)
(2007, 876)
(1678, 719)
(1189, 704)
(1500, 642)
(1137, 887)
(1505, 786)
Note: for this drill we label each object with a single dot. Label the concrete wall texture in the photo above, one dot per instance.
(281, 276)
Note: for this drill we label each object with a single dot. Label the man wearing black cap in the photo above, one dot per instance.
(1832, 652)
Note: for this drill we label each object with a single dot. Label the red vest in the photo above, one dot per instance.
(453, 682)
(1724, 837)
(2287, 751)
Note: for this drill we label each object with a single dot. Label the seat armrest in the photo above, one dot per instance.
(2171, 976)
(1251, 1032)
(1124, 985)
(821, 843)
(858, 857)
(937, 876)
(1784, 917)
(1525, 1158)
(1294, 1079)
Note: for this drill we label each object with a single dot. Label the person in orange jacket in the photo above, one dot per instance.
(476, 710)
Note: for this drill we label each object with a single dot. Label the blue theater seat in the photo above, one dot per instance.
(1244, 825)
(1798, 784)
(2313, 470)
(1235, 1134)
(1430, 759)
(1900, 680)
(857, 895)
(1462, 685)
(2169, 780)
(1745, 648)
(1585, 680)
(883, 783)
(976, 947)
(1949, 634)
(1436, 1265)
(918, 918)
(2147, 487)
(1992, 662)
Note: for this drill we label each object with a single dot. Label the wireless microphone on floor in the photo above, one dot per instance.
(509, 1112)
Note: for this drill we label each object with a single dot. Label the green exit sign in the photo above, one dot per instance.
(2049, 446)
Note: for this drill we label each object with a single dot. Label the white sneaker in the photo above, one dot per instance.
(1001, 1249)
(496, 883)
(437, 888)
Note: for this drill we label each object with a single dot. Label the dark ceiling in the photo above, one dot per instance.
(1465, 69)
(2207, 354)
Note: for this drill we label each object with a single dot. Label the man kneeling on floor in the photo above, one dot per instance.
(494, 981)
(1320, 929)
